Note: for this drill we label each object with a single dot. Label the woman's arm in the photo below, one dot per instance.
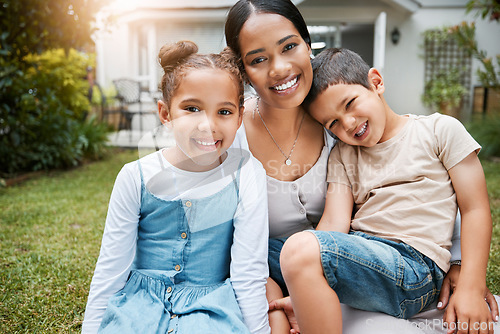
(117, 247)
(249, 270)
(455, 250)
(451, 278)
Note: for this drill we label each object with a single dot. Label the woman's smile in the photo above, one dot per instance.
(288, 86)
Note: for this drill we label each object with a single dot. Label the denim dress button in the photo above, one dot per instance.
(188, 204)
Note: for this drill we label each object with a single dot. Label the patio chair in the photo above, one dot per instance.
(128, 93)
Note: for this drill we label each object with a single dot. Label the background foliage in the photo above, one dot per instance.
(484, 129)
(43, 89)
(33, 26)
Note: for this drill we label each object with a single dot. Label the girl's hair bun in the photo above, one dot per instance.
(172, 55)
(228, 55)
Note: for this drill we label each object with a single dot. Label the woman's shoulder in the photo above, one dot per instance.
(241, 138)
(250, 110)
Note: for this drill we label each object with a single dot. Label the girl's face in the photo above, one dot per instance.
(276, 59)
(204, 115)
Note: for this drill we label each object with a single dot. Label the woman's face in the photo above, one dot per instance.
(276, 59)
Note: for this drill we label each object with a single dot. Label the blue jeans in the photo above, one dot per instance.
(375, 274)
(275, 245)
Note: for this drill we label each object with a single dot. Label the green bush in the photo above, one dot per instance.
(93, 138)
(42, 112)
(444, 89)
(485, 131)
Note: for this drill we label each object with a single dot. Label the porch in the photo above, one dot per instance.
(147, 134)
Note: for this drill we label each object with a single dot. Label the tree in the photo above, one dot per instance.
(465, 35)
(485, 8)
(42, 91)
(33, 26)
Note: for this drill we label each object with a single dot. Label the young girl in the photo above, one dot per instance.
(185, 243)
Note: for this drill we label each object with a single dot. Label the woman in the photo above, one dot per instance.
(273, 43)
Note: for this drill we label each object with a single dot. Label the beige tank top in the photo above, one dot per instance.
(295, 206)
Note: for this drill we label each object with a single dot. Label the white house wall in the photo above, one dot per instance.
(404, 64)
(118, 48)
(114, 58)
(207, 35)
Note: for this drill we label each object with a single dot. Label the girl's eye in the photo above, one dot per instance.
(225, 112)
(257, 60)
(289, 46)
(333, 123)
(192, 109)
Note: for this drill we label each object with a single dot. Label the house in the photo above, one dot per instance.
(387, 33)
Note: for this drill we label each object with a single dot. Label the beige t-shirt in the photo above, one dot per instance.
(401, 187)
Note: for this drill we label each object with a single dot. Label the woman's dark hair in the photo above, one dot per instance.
(241, 11)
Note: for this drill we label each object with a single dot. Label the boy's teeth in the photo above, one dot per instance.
(286, 85)
(362, 131)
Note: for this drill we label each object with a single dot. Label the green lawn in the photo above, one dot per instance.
(50, 232)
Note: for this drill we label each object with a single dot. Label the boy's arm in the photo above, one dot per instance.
(338, 209)
(467, 304)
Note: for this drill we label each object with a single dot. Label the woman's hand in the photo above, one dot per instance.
(449, 285)
(285, 304)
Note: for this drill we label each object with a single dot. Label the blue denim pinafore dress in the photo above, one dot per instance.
(180, 277)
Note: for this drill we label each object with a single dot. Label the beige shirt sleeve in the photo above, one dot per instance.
(454, 143)
(337, 171)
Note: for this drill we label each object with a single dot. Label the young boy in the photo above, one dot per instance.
(394, 185)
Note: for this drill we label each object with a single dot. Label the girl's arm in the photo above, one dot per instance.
(467, 304)
(117, 247)
(338, 209)
(249, 270)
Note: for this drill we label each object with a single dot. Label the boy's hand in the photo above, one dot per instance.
(285, 304)
(468, 312)
(449, 285)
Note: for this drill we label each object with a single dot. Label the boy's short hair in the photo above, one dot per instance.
(337, 66)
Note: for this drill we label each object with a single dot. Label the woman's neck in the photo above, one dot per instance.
(280, 118)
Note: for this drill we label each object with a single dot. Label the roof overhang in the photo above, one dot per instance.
(409, 6)
(140, 10)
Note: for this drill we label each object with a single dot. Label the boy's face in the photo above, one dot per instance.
(355, 114)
